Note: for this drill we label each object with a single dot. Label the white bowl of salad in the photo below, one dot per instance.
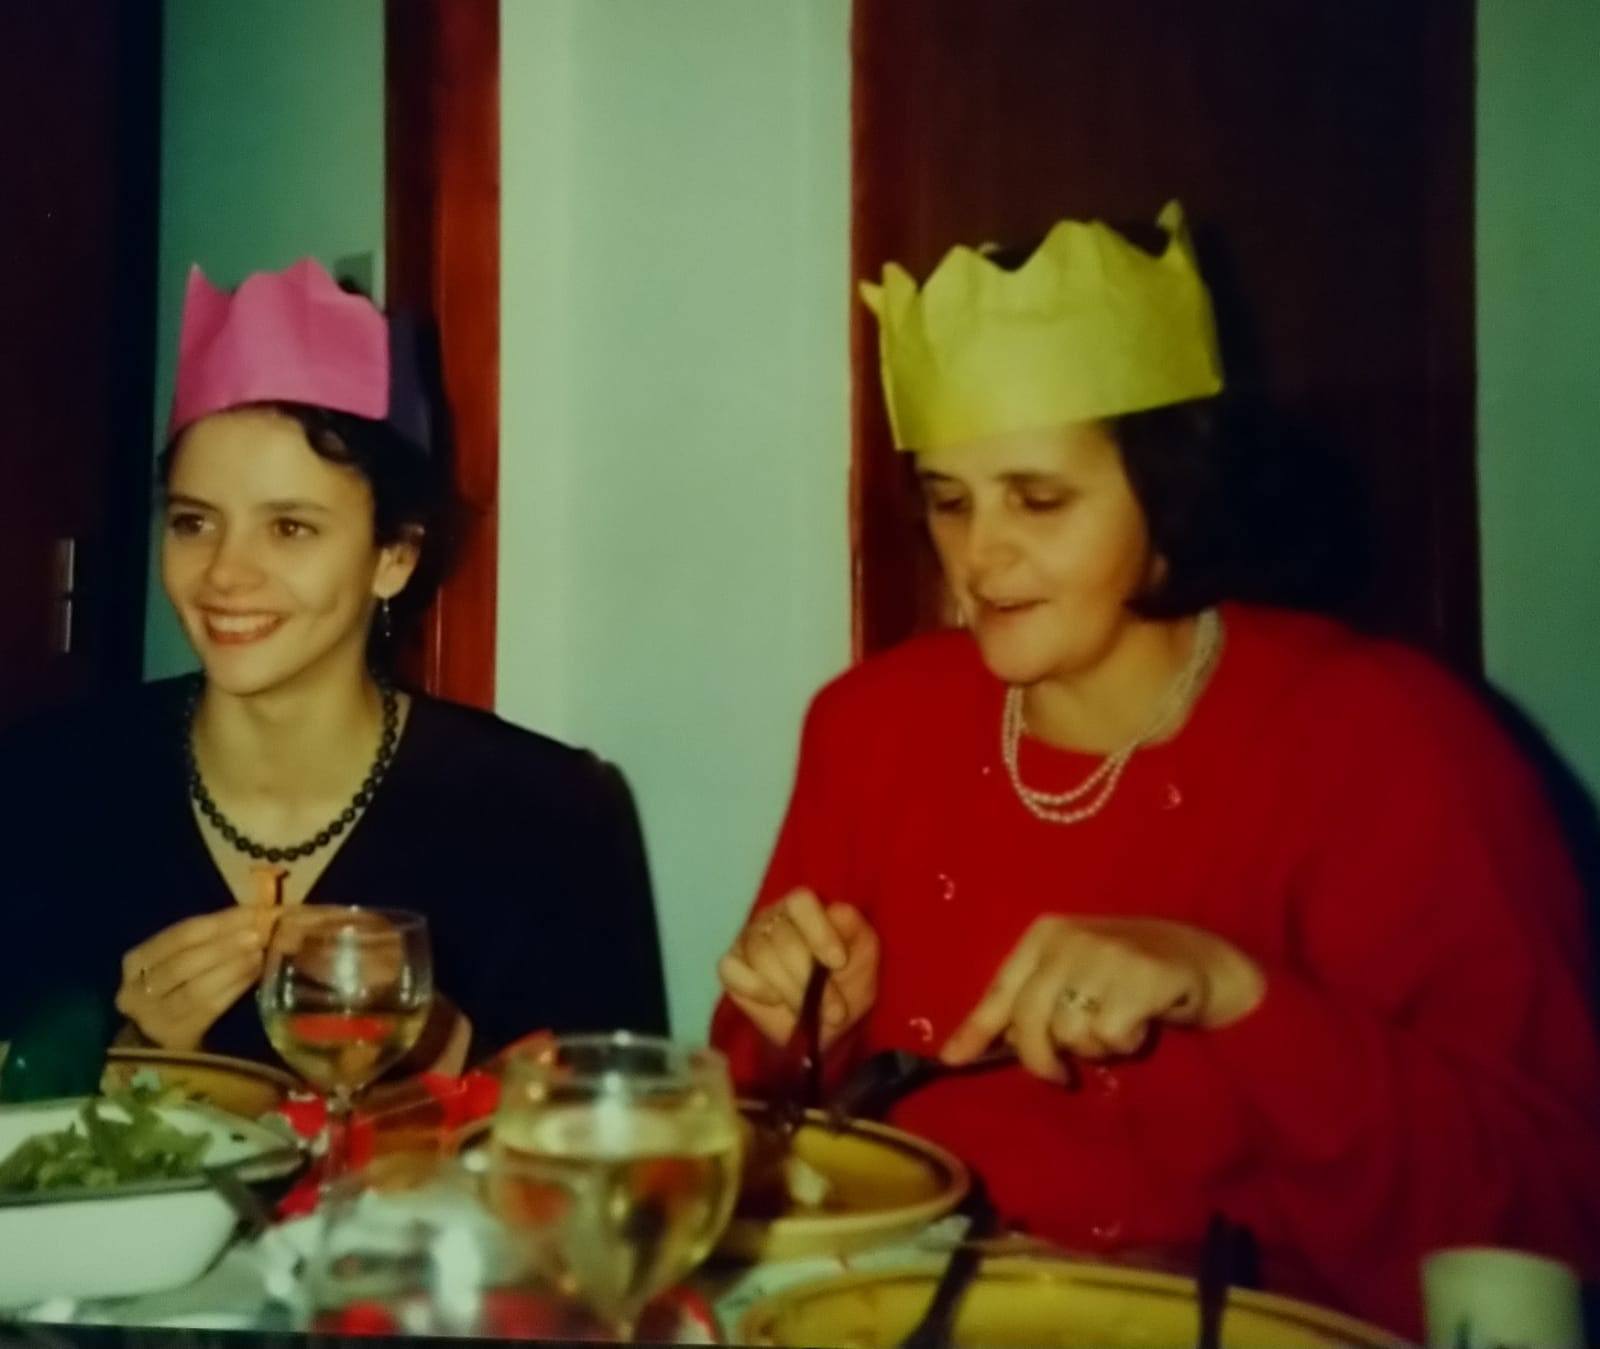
(112, 1196)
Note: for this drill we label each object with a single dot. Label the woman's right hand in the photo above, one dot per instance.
(178, 983)
(764, 973)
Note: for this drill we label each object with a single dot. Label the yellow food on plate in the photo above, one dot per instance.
(777, 1180)
(829, 1191)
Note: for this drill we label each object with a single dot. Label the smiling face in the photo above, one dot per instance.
(1043, 543)
(268, 553)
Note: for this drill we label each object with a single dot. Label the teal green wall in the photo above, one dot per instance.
(674, 563)
(271, 149)
(1538, 370)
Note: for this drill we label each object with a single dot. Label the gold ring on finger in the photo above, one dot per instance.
(1072, 1000)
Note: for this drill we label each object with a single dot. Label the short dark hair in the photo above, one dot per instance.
(1241, 506)
(412, 492)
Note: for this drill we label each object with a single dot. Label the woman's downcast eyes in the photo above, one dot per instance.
(945, 503)
(1042, 502)
(1034, 501)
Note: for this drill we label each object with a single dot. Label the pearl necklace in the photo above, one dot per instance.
(1095, 790)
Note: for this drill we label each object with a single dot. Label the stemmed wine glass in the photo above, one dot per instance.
(345, 993)
(614, 1161)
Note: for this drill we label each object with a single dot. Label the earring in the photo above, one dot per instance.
(385, 619)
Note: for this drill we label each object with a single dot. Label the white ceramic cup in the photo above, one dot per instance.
(1488, 1297)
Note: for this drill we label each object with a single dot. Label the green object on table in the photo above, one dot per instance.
(58, 1049)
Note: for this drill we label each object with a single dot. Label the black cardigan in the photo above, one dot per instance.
(525, 854)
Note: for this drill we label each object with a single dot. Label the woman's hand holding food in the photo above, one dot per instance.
(176, 985)
(765, 971)
(1097, 987)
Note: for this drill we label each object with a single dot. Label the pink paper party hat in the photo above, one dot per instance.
(291, 336)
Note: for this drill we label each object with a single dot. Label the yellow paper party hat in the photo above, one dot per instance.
(1089, 326)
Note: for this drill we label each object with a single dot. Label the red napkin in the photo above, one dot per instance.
(417, 1114)
(426, 1108)
(678, 1316)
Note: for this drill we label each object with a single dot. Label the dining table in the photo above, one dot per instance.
(253, 1295)
(256, 1291)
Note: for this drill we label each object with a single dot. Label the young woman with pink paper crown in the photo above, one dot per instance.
(1276, 920)
(304, 513)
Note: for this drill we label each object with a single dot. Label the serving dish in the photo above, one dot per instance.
(135, 1237)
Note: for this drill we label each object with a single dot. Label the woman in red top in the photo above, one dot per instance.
(1277, 920)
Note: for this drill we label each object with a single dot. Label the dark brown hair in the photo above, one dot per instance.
(411, 489)
(1241, 506)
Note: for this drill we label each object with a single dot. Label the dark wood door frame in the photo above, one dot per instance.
(941, 150)
(442, 143)
(80, 142)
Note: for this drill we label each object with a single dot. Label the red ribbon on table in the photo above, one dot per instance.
(678, 1316)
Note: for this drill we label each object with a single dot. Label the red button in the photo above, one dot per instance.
(922, 1028)
(1107, 1232)
(1172, 797)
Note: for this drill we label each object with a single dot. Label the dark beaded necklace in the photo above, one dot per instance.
(335, 827)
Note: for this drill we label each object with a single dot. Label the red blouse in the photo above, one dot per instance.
(1423, 1069)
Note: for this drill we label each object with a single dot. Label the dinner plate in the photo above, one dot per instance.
(883, 1185)
(1043, 1303)
(238, 1086)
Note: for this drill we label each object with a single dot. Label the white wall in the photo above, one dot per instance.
(271, 149)
(674, 558)
(1539, 392)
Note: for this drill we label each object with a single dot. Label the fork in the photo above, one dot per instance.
(798, 1084)
(1227, 1259)
(884, 1077)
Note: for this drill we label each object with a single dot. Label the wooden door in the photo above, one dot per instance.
(78, 152)
(1323, 151)
(443, 154)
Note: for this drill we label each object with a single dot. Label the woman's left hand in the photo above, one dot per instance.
(1096, 987)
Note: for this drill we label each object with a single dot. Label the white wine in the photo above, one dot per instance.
(342, 1051)
(615, 1201)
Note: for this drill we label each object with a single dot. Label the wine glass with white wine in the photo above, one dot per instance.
(614, 1162)
(345, 993)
